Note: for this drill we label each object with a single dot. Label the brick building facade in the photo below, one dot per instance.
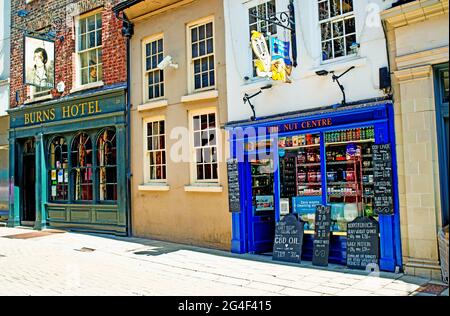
(68, 116)
(58, 17)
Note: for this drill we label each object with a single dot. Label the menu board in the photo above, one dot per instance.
(322, 234)
(233, 186)
(383, 178)
(363, 243)
(288, 240)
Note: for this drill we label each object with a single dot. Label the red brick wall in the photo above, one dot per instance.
(59, 16)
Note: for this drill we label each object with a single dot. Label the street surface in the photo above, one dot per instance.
(61, 263)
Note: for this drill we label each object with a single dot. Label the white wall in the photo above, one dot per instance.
(307, 90)
(5, 17)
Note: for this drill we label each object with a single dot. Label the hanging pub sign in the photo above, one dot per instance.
(267, 66)
(234, 194)
(39, 65)
(322, 234)
(288, 242)
(383, 188)
(363, 244)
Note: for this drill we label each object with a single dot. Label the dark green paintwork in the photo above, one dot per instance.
(94, 216)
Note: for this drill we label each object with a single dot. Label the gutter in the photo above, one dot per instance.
(127, 31)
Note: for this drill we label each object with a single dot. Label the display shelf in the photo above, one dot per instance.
(344, 162)
(300, 195)
(303, 184)
(337, 195)
(300, 147)
(367, 156)
(342, 183)
(367, 169)
(312, 164)
(351, 142)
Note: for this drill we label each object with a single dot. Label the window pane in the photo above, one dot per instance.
(209, 48)
(198, 84)
(338, 47)
(350, 26)
(347, 6)
(323, 10)
(201, 32)
(327, 50)
(194, 50)
(99, 20)
(349, 41)
(338, 29)
(91, 23)
(209, 30)
(194, 34)
(326, 31)
(83, 44)
(99, 38)
(84, 76)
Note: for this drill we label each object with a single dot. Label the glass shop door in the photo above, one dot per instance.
(261, 211)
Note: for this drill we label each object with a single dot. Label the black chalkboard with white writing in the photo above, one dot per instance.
(234, 194)
(289, 240)
(383, 189)
(363, 243)
(322, 234)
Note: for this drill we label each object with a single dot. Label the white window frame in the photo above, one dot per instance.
(78, 85)
(146, 152)
(342, 17)
(193, 164)
(190, 61)
(248, 6)
(145, 41)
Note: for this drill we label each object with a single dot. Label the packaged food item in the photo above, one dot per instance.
(282, 142)
(295, 142)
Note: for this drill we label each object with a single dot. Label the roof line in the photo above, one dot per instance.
(125, 5)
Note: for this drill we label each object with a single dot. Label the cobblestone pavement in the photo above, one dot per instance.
(78, 264)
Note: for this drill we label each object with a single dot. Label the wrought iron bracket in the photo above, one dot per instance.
(286, 20)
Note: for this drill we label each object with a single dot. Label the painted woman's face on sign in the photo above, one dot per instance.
(39, 60)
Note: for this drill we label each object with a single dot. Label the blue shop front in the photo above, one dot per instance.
(67, 159)
(289, 164)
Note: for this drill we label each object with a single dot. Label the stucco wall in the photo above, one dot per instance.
(177, 215)
(307, 90)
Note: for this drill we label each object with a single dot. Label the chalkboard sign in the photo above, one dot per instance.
(363, 243)
(233, 186)
(322, 233)
(383, 189)
(288, 240)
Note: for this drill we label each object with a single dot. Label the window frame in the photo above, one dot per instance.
(92, 168)
(190, 61)
(50, 169)
(146, 152)
(341, 17)
(145, 72)
(78, 74)
(254, 4)
(193, 163)
(98, 167)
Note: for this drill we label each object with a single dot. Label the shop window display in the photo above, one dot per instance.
(350, 180)
(82, 168)
(59, 169)
(348, 175)
(107, 162)
(263, 186)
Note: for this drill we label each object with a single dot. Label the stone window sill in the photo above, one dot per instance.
(87, 86)
(200, 96)
(153, 105)
(204, 188)
(154, 187)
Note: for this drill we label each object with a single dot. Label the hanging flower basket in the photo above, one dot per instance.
(443, 249)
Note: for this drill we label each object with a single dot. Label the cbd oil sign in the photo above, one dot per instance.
(288, 240)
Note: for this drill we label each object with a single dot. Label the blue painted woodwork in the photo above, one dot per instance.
(377, 114)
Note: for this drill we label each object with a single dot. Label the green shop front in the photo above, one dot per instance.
(67, 163)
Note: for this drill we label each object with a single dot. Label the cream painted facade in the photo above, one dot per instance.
(179, 209)
(418, 39)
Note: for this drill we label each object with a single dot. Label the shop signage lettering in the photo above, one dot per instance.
(291, 127)
(363, 243)
(66, 112)
(288, 241)
(322, 236)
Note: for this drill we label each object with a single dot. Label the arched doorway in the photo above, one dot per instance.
(28, 216)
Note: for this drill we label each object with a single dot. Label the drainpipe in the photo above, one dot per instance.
(127, 32)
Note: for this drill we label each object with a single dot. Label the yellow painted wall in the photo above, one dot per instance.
(176, 215)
